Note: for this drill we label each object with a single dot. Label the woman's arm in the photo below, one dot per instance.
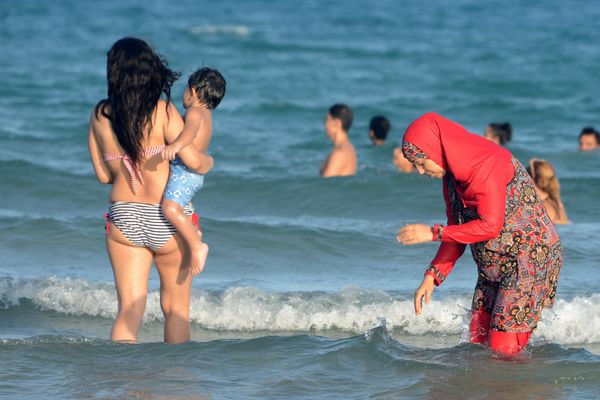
(447, 254)
(491, 205)
(444, 261)
(200, 163)
(100, 168)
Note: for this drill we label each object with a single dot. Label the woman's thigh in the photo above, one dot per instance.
(175, 277)
(131, 268)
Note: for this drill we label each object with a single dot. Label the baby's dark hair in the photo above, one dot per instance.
(502, 131)
(209, 85)
(589, 130)
(343, 113)
(380, 126)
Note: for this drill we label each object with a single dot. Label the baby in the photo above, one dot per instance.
(204, 92)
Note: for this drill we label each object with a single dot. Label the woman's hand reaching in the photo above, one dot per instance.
(414, 234)
(424, 292)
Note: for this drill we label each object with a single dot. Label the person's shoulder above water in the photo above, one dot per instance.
(342, 160)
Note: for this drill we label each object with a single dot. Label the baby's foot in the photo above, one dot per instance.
(198, 255)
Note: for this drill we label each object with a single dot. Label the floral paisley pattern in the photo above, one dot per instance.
(519, 269)
(412, 152)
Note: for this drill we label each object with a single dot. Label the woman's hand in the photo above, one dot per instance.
(414, 234)
(425, 290)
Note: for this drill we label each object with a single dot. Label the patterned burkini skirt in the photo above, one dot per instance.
(518, 270)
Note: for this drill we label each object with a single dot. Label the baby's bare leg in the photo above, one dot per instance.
(198, 249)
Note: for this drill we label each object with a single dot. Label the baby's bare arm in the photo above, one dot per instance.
(193, 121)
(199, 162)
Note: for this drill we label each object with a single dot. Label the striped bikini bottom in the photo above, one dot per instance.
(144, 225)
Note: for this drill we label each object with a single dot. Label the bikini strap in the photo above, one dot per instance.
(135, 171)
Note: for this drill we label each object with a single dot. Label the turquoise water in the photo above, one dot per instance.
(306, 293)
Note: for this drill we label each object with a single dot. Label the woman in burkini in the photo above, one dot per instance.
(492, 205)
(128, 132)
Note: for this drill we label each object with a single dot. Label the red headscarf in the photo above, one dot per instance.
(474, 161)
(482, 171)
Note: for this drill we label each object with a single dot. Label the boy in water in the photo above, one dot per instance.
(379, 128)
(342, 159)
(589, 139)
(204, 92)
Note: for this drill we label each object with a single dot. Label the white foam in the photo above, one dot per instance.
(67, 296)
(238, 30)
(573, 321)
(353, 310)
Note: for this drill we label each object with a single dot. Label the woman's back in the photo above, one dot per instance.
(146, 184)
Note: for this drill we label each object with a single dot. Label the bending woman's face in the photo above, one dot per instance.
(429, 168)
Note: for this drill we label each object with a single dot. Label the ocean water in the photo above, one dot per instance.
(306, 294)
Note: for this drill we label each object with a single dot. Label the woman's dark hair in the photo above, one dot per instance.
(343, 113)
(502, 131)
(137, 76)
(380, 126)
(209, 85)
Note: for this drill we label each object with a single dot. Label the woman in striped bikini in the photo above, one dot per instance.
(128, 131)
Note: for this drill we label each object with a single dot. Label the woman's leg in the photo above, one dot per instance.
(175, 288)
(131, 268)
(508, 343)
(483, 300)
(480, 326)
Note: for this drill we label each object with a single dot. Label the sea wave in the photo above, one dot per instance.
(249, 309)
(237, 30)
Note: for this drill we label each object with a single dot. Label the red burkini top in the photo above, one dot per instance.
(482, 171)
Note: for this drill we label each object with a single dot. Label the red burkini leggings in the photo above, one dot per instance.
(507, 343)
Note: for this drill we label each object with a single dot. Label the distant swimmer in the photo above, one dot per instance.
(491, 205)
(379, 128)
(342, 159)
(589, 139)
(548, 189)
(498, 133)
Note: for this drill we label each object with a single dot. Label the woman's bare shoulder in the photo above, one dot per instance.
(166, 108)
(99, 114)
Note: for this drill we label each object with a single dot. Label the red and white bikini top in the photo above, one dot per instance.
(135, 172)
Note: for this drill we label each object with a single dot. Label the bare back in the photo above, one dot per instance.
(154, 170)
(341, 161)
(203, 136)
